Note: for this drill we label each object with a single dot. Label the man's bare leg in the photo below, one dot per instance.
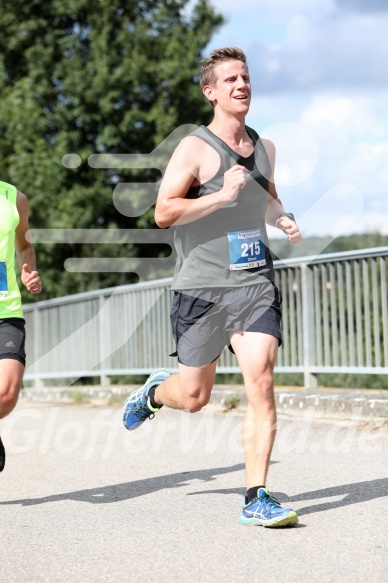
(256, 353)
(11, 376)
(188, 390)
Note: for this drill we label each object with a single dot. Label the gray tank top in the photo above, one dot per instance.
(229, 247)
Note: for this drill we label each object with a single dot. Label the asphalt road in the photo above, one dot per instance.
(83, 500)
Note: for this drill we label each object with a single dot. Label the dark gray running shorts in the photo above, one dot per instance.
(202, 320)
(12, 339)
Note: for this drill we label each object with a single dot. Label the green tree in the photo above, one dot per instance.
(110, 76)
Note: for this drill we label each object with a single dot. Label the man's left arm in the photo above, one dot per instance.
(275, 215)
(25, 252)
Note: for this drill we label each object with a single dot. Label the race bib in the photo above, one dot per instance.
(246, 249)
(3, 279)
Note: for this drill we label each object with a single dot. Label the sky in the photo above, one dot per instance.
(319, 74)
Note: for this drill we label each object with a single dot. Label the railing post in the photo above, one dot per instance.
(104, 339)
(38, 383)
(310, 379)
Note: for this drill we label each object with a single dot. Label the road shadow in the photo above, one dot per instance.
(128, 490)
(351, 493)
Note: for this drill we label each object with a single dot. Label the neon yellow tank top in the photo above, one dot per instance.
(10, 300)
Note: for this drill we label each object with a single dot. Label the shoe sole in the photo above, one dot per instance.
(290, 520)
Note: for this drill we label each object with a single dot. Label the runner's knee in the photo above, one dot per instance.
(8, 398)
(195, 399)
(195, 404)
(260, 388)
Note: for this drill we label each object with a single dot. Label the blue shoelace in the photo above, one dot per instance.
(269, 501)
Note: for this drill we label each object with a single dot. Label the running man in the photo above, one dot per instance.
(14, 213)
(218, 192)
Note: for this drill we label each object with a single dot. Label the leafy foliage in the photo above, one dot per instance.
(110, 76)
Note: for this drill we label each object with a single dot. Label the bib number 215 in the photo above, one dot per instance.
(246, 249)
(249, 249)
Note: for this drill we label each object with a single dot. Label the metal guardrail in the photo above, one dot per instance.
(335, 319)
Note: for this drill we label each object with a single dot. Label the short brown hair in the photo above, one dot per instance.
(206, 72)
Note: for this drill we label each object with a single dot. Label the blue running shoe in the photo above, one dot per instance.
(137, 407)
(265, 510)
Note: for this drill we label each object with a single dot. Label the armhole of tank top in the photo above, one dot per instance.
(257, 140)
(212, 143)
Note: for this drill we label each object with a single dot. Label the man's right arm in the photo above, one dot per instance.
(172, 208)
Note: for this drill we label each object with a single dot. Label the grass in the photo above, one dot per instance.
(231, 402)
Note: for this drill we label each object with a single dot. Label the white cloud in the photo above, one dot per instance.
(296, 152)
(341, 210)
(321, 65)
(337, 52)
(338, 120)
(353, 143)
(336, 212)
(352, 147)
(315, 45)
(368, 167)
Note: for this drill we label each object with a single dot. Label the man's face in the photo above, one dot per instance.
(232, 90)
